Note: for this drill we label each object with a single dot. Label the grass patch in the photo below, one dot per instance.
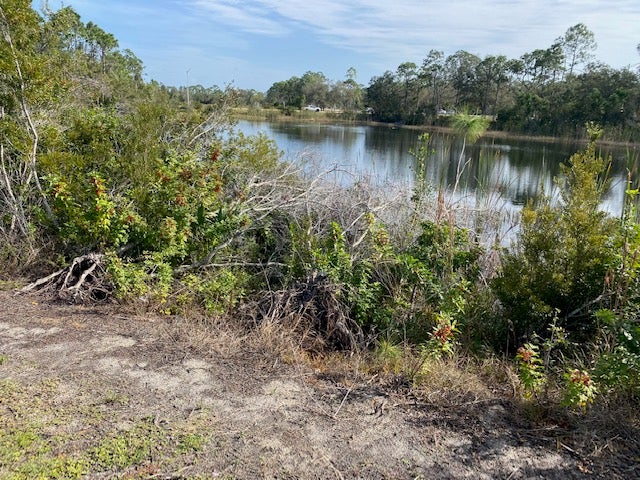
(44, 436)
(111, 397)
(121, 450)
(7, 285)
(191, 442)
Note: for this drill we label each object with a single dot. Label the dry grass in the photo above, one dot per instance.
(295, 340)
(391, 393)
(24, 258)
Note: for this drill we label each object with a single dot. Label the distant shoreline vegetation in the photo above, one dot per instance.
(273, 114)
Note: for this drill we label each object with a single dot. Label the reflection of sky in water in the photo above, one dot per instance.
(347, 147)
(503, 173)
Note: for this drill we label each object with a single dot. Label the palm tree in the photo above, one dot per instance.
(470, 127)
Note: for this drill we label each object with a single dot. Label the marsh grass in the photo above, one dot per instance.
(296, 115)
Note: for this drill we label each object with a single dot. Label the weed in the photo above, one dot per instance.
(442, 341)
(125, 449)
(8, 284)
(113, 398)
(530, 369)
(580, 389)
(388, 355)
(191, 442)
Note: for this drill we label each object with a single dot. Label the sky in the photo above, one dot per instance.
(252, 44)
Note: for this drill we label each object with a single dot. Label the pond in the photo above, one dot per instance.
(507, 172)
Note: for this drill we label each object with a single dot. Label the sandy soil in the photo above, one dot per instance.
(266, 418)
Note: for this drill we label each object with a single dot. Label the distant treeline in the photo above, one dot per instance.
(551, 91)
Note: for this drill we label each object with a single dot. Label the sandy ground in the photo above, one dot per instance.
(266, 418)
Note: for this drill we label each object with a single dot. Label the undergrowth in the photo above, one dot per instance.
(136, 197)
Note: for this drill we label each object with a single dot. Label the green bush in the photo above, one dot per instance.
(562, 256)
(417, 294)
(617, 353)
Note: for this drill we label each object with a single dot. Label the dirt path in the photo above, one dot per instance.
(111, 395)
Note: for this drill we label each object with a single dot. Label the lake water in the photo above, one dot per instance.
(506, 172)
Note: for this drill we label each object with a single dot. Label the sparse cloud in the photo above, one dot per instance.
(406, 29)
(248, 16)
(253, 40)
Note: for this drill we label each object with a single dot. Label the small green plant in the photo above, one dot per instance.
(122, 450)
(114, 398)
(388, 355)
(530, 369)
(442, 341)
(191, 442)
(617, 363)
(6, 285)
(421, 187)
(618, 371)
(216, 292)
(580, 389)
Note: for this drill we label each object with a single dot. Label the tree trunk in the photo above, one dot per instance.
(31, 166)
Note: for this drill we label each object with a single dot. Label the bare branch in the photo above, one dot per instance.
(31, 128)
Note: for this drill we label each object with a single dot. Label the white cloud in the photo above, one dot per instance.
(407, 29)
(267, 40)
(244, 15)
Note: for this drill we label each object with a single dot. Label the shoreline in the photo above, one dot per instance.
(327, 119)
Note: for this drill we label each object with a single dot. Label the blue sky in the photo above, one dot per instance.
(254, 43)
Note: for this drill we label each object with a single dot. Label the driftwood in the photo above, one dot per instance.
(84, 280)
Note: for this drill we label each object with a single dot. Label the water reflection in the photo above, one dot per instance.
(512, 169)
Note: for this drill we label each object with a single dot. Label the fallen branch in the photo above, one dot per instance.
(41, 281)
(85, 279)
(313, 305)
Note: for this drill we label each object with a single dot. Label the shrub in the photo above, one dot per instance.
(617, 353)
(580, 389)
(530, 369)
(562, 255)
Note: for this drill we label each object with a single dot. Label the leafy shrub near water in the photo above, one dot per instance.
(402, 293)
(563, 255)
(575, 268)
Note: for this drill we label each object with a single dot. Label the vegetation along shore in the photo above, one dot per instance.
(149, 246)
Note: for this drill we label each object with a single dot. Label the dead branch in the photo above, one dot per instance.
(84, 280)
(312, 304)
(42, 281)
